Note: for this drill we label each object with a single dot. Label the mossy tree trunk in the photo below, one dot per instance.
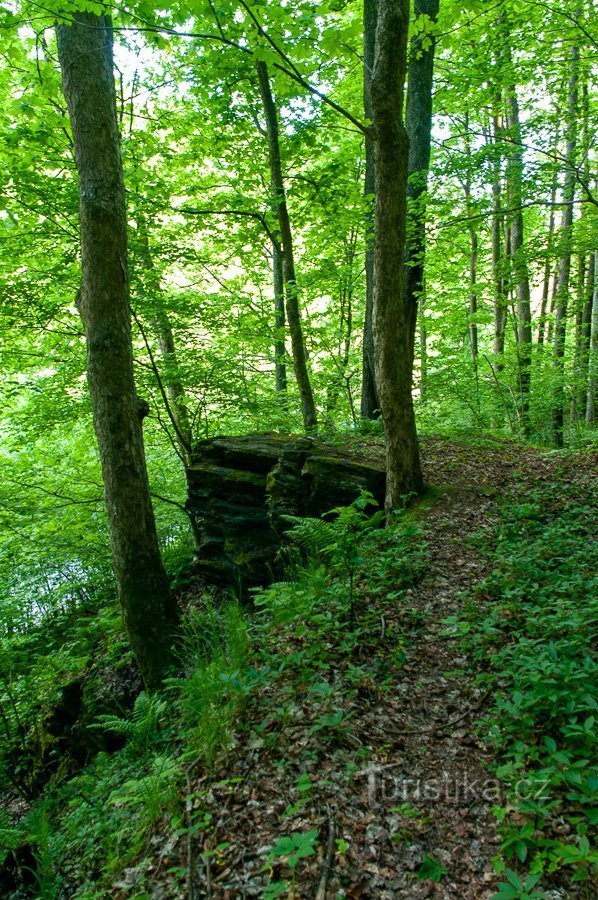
(149, 610)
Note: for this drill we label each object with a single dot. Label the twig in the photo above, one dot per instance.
(191, 885)
(448, 724)
(208, 870)
(328, 861)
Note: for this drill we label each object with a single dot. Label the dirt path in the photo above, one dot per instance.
(404, 793)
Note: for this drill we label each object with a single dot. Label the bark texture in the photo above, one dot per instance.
(370, 403)
(593, 358)
(518, 250)
(419, 129)
(564, 266)
(394, 316)
(280, 367)
(288, 260)
(149, 610)
(547, 264)
(498, 239)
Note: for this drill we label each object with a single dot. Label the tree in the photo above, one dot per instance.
(370, 403)
(564, 268)
(149, 610)
(308, 407)
(517, 246)
(394, 314)
(593, 351)
(419, 130)
(280, 366)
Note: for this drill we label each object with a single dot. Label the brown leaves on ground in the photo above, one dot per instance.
(397, 766)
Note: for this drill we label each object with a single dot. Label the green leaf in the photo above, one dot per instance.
(431, 868)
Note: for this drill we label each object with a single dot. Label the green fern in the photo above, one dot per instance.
(143, 726)
(11, 836)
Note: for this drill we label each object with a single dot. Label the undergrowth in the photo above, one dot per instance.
(94, 829)
(532, 627)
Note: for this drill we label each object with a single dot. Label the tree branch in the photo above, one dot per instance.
(234, 212)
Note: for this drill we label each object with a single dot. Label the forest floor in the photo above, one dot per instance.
(369, 778)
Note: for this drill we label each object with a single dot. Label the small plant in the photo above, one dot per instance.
(514, 888)
(352, 523)
(338, 539)
(303, 786)
(431, 868)
(142, 727)
(536, 632)
(292, 849)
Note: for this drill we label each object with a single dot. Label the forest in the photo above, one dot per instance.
(298, 380)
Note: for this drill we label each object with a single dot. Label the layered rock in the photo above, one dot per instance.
(242, 488)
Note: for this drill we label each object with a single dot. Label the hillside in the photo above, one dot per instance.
(430, 736)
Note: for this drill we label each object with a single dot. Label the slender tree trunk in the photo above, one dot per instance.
(586, 329)
(393, 319)
(593, 358)
(150, 613)
(579, 393)
(418, 122)
(176, 398)
(564, 268)
(473, 296)
(423, 350)
(370, 403)
(473, 255)
(517, 241)
(551, 308)
(175, 390)
(279, 324)
(585, 274)
(288, 263)
(549, 245)
(498, 237)
(171, 383)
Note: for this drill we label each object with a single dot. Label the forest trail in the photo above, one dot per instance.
(400, 796)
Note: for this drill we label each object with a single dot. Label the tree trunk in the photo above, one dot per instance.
(585, 275)
(370, 403)
(593, 360)
(173, 391)
(551, 308)
(149, 610)
(419, 129)
(423, 349)
(498, 275)
(473, 297)
(579, 394)
(288, 261)
(549, 244)
(393, 318)
(473, 256)
(174, 385)
(564, 268)
(517, 239)
(279, 324)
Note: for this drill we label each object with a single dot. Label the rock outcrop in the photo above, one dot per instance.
(241, 489)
